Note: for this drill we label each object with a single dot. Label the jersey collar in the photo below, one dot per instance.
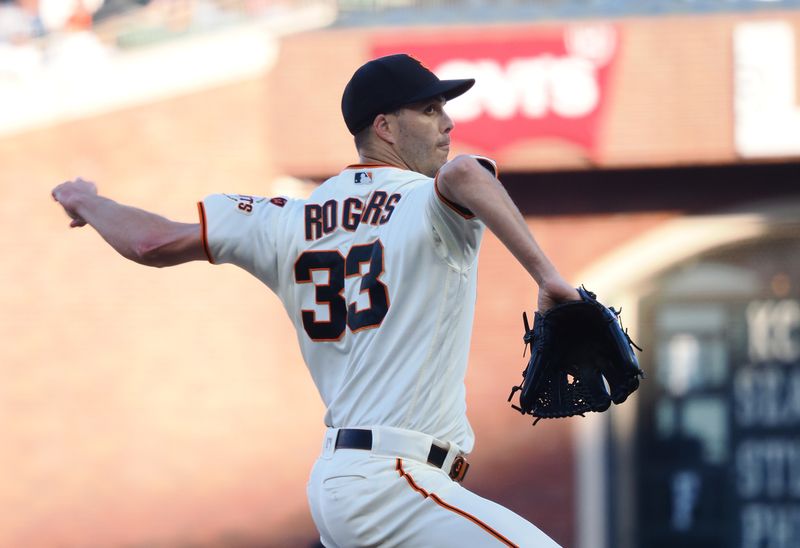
(361, 166)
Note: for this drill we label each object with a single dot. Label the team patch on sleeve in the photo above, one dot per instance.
(244, 203)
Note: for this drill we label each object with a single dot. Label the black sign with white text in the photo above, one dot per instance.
(718, 429)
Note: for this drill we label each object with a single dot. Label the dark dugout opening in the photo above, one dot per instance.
(691, 190)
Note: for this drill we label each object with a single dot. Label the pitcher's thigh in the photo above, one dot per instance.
(445, 514)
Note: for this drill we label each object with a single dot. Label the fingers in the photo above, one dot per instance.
(554, 292)
(66, 194)
(58, 191)
(76, 185)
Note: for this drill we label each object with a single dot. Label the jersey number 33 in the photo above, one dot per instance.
(343, 315)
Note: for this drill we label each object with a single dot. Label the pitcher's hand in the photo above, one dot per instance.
(556, 291)
(69, 194)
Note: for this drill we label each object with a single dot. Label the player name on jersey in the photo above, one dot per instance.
(322, 219)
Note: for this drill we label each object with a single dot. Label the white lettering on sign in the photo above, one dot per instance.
(770, 525)
(767, 397)
(768, 468)
(685, 493)
(772, 330)
(767, 119)
(531, 87)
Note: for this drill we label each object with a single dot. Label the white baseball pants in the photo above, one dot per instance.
(390, 496)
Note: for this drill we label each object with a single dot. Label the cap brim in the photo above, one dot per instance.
(449, 89)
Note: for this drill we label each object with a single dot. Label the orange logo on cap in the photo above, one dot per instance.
(420, 63)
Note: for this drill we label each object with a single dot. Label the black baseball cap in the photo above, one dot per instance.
(388, 83)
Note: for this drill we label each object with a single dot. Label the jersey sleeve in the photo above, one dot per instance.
(457, 232)
(242, 230)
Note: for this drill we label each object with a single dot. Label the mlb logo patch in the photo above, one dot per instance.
(363, 178)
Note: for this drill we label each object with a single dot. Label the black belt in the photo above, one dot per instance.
(355, 438)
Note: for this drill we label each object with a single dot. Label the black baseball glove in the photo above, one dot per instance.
(574, 346)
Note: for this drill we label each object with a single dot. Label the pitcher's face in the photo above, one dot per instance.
(423, 135)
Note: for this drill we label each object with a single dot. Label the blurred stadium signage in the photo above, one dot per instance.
(546, 84)
(718, 432)
(766, 418)
(767, 116)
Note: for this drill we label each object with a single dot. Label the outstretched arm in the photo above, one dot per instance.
(464, 181)
(138, 235)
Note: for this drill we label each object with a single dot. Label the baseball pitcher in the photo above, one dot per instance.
(377, 272)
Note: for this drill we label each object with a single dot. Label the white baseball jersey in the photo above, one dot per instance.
(377, 271)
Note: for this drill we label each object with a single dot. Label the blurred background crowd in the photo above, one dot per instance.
(135, 22)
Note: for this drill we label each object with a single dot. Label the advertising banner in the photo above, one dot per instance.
(767, 114)
(540, 84)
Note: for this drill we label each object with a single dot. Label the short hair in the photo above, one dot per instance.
(362, 137)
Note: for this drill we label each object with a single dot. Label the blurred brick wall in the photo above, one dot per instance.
(671, 93)
(137, 406)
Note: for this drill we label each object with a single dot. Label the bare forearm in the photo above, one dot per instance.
(468, 184)
(134, 233)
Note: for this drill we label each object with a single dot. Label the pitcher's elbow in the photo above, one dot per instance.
(150, 252)
(461, 175)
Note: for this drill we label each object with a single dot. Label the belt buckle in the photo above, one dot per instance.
(459, 469)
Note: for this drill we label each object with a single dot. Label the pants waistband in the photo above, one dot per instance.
(397, 442)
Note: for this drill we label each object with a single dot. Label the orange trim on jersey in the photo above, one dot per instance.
(461, 210)
(435, 498)
(204, 231)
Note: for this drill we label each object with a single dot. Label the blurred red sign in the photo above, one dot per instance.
(540, 84)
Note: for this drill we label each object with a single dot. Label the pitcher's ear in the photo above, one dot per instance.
(384, 128)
